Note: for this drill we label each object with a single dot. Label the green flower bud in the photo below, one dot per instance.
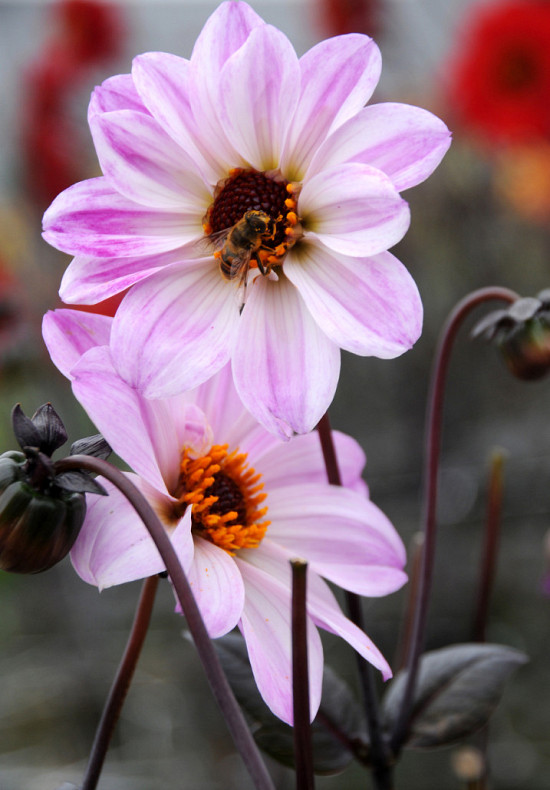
(41, 510)
(522, 334)
(36, 530)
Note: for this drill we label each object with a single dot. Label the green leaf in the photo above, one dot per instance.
(457, 690)
(339, 713)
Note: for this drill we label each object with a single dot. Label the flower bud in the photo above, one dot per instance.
(41, 511)
(522, 334)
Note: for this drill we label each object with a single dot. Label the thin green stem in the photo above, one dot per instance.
(431, 465)
(218, 682)
(121, 683)
(303, 754)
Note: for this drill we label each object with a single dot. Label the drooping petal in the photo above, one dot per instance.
(369, 306)
(68, 334)
(285, 368)
(354, 209)
(256, 119)
(175, 329)
(321, 604)
(405, 142)
(301, 461)
(265, 625)
(324, 610)
(344, 536)
(162, 81)
(115, 547)
(145, 165)
(338, 77)
(88, 280)
(92, 218)
(141, 432)
(217, 586)
(115, 93)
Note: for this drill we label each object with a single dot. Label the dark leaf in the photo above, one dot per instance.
(51, 429)
(26, 432)
(458, 688)
(92, 445)
(339, 712)
(79, 482)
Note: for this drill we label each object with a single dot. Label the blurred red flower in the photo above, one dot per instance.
(85, 33)
(349, 16)
(499, 83)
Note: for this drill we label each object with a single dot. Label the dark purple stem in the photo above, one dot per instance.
(431, 464)
(490, 547)
(207, 654)
(382, 773)
(121, 683)
(303, 754)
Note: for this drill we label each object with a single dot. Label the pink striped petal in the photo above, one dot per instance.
(354, 209)
(285, 368)
(94, 219)
(405, 142)
(145, 165)
(176, 329)
(114, 546)
(115, 93)
(141, 432)
(338, 77)
(68, 334)
(265, 625)
(369, 306)
(88, 280)
(162, 80)
(225, 31)
(301, 461)
(344, 536)
(256, 119)
(217, 586)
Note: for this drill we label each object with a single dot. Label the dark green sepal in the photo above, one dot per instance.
(36, 529)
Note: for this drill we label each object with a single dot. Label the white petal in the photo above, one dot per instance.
(369, 306)
(175, 329)
(217, 586)
(285, 368)
(68, 334)
(266, 627)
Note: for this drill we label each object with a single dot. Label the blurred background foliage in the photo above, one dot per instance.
(481, 219)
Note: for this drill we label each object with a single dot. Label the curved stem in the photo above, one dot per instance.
(121, 683)
(431, 464)
(379, 752)
(207, 654)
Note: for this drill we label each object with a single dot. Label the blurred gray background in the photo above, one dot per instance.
(60, 640)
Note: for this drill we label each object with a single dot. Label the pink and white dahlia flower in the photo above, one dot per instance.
(187, 148)
(237, 504)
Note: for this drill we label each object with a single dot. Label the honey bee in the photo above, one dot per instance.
(241, 244)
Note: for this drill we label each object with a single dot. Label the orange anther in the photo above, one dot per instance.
(290, 203)
(292, 218)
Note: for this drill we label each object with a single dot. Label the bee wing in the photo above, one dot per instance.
(207, 245)
(240, 265)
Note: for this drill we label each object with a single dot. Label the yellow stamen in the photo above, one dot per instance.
(220, 480)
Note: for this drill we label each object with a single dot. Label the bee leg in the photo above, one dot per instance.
(259, 263)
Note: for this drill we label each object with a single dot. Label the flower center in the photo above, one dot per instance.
(226, 496)
(255, 215)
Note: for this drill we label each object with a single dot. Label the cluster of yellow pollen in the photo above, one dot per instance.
(266, 192)
(226, 495)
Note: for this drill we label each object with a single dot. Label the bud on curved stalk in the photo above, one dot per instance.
(41, 511)
(522, 333)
